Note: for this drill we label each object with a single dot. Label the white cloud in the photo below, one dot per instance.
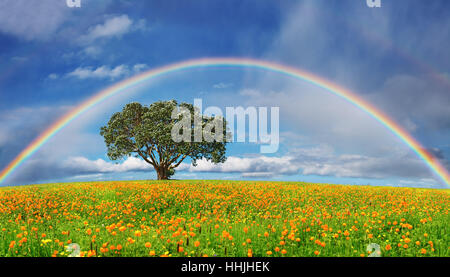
(140, 67)
(92, 51)
(250, 92)
(222, 85)
(249, 167)
(320, 160)
(101, 72)
(260, 164)
(32, 20)
(141, 25)
(257, 174)
(106, 72)
(53, 76)
(424, 182)
(96, 37)
(84, 165)
(113, 27)
(183, 166)
(19, 59)
(90, 177)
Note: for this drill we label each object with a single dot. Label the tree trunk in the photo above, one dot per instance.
(162, 173)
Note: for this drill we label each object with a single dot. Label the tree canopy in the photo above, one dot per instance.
(164, 134)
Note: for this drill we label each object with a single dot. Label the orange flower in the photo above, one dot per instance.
(148, 244)
(197, 244)
(388, 247)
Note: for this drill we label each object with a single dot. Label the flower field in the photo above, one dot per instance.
(222, 218)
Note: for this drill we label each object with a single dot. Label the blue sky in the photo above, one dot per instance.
(53, 57)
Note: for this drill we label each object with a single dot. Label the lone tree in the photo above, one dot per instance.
(164, 134)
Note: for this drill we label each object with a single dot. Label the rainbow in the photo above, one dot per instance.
(296, 73)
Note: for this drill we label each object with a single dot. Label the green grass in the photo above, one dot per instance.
(222, 218)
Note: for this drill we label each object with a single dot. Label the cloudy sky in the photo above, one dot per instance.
(53, 57)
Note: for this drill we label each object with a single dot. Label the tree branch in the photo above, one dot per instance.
(177, 164)
(145, 158)
(174, 159)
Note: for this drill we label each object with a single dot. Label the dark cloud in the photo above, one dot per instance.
(438, 153)
(21, 126)
(415, 101)
(441, 156)
(378, 53)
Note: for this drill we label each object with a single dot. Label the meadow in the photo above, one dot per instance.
(222, 218)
